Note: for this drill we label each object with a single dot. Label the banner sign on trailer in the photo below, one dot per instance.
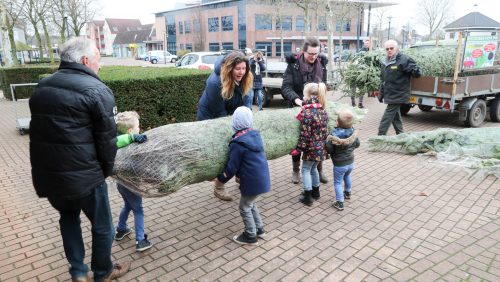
(480, 49)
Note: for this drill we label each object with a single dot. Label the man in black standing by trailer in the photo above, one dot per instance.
(72, 151)
(395, 74)
(309, 65)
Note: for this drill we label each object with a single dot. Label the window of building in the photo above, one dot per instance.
(267, 46)
(346, 25)
(171, 29)
(452, 35)
(197, 25)
(181, 46)
(287, 47)
(227, 46)
(115, 29)
(263, 22)
(189, 46)
(287, 23)
(187, 27)
(299, 23)
(181, 29)
(213, 24)
(214, 47)
(242, 44)
(227, 23)
(172, 47)
(322, 24)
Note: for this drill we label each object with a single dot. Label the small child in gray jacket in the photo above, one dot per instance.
(340, 145)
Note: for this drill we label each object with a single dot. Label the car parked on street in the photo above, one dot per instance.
(343, 55)
(199, 60)
(160, 56)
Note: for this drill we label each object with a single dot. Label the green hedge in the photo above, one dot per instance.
(22, 74)
(159, 95)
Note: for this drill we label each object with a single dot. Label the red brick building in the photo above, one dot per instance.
(213, 25)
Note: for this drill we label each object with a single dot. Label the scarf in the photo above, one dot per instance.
(310, 73)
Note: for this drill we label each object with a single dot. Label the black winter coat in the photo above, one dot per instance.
(395, 79)
(293, 81)
(257, 79)
(72, 133)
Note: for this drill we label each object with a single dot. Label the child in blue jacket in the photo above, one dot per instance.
(247, 160)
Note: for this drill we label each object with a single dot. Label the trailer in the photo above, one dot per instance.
(22, 122)
(471, 95)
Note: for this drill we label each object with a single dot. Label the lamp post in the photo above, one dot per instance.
(67, 27)
(389, 30)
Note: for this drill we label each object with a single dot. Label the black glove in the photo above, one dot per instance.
(140, 138)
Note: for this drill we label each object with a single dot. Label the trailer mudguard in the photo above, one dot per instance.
(464, 108)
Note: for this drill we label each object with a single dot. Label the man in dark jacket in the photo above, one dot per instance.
(72, 151)
(309, 65)
(257, 66)
(395, 74)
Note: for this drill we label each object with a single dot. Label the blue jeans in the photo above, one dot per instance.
(342, 173)
(310, 175)
(250, 215)
(96, 207)
(133, 202)
(260, 98)
(248, 100)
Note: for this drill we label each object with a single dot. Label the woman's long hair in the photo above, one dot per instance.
(318, 90)
(226, 75)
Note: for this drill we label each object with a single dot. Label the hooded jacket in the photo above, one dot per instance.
(293, 81)
(340, 145)
(211, 104)
(247, 160)
(395, 78)
(72, 132)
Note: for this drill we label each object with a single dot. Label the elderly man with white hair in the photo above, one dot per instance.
(396, 72)
(72, 151)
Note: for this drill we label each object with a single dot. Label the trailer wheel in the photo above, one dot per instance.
(405, 108)
(425, 108)
(495, 110)
(476, 114)
(268, 97)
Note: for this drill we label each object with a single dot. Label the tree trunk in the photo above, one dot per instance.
(49, 42)
(12, 41)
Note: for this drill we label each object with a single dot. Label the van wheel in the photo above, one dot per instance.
(153, 61)
(495, 109)
(173, 60)
(476, 114)
(405, 108)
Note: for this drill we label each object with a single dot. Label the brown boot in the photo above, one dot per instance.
(81, 279)
(322, 177)
(119, 269)
(220, 192)
(296, 172)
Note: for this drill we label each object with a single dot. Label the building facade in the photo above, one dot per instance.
(238, 24)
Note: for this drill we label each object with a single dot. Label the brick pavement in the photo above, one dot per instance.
(386, 232)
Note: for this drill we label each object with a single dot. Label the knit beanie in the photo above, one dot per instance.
(242, 119)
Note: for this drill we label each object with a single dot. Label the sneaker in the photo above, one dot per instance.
(347, 195)
(244, 239)
(261, 233)
(338, 205)
(143, 245)
(119, 235)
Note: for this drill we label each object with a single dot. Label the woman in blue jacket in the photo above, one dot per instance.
(226, 89)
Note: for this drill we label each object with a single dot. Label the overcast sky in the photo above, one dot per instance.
(401, 14)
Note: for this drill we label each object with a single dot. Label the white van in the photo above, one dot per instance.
(161, 57)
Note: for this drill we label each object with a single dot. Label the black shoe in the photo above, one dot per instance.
(261, 233)
(143, 245)
(306, 199)
(119, 235)
(338, 205)
(244, 239)
(315, 193)
(360, 106)
(347, 195)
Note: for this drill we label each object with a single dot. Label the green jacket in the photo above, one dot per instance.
(124, 140)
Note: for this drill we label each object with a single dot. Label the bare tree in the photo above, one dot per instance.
(10, 14)
(59, 10)
(433, 13)
(379, 18)
(43, 9)
(306, 6)
(30, 10)
(80, 12)
(341, 12)
(278, 16)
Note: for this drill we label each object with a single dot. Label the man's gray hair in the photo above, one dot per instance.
(77, 47)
